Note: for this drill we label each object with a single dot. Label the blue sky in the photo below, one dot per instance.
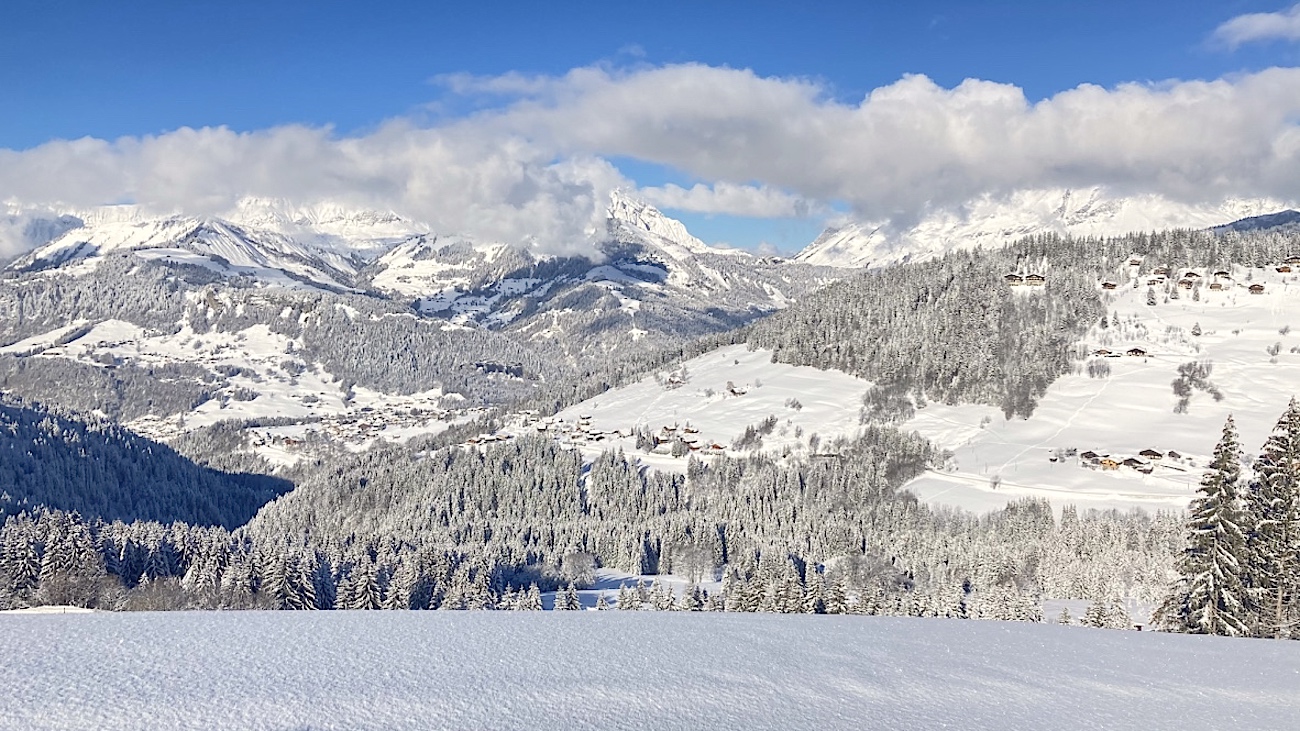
(72, 69)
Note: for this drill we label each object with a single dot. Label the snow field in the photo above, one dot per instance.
(589, 670)
(1132, 409)
(830, 402)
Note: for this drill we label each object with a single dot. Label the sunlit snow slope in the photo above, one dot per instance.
(1132, 409)
(643, 670)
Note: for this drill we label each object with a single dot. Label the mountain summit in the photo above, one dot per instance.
(991, 222)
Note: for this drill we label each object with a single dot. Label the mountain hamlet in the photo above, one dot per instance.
(1059, 407)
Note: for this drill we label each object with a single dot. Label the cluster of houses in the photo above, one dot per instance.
(689, 436)
(1025, 280)
(1218, 281)
(580, 432)
(1144, 462)
(1131, 352)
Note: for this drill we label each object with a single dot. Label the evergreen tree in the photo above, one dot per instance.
(1209, 598)
(1272, 508)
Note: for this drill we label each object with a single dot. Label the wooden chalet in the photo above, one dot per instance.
(1191, 275)
(1223, 275)
(1134, 462)
(1108, 464)
(1151, 454)
(1257, 289)
(1109, 285)
(1171, 454)
(1161, 271)
(1155, 282)
(1136, 353)
(1014, 279)
(1185, 284)
(1284, 269)
(1102, 352)
(1035, 280)
(1292, 260)
(1135, 261)
(1090, 456)
(1216, 287)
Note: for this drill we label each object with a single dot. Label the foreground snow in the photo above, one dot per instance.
(423, 670)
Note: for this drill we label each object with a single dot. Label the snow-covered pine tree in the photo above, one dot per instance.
(1209, 598)
(1272, 510)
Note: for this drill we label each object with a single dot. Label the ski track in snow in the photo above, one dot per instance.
(294, 671)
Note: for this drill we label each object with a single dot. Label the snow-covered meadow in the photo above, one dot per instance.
(511, 670)
(1252, 342)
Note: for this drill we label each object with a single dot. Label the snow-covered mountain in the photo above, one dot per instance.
(316, 313)
(990, 221)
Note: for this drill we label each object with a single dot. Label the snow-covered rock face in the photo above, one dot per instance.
(989, 221)
(625, 211)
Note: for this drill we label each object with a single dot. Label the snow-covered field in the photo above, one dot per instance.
(1132, 409)
(595, 670)
(828, 406)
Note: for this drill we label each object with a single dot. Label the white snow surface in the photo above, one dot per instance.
(1133, 409)
(645, 670)
(991, 222)
(830, 403)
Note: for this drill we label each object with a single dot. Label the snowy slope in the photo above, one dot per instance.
(828, 406)
(1133, 409)
(588, 670)
(991, 222)
(269, 381)
(995, 460)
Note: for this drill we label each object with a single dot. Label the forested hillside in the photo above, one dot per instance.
(103, 471)
(953, 331)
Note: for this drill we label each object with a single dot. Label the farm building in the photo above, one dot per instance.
(1257, 289)
(1136, 352)
(1035, 280)
(1014, 279)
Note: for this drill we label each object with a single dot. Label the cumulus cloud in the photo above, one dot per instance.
(913, 145)
(533, 166)
(1252, 27)
(499, 188)
(730, 199)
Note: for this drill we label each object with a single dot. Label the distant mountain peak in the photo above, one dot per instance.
(991, 221)
(1288, 219)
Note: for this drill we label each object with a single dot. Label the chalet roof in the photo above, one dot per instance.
(1151, 453)
(1109, 285)
(1256, 288)
(1136, 352)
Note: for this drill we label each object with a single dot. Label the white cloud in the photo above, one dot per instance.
(534, 166)
(730, 199)
(1283, 25)
(454, 178)
(913, 145)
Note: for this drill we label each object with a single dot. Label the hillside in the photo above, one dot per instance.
(1118, 405)
(349, 327)
(106, 472)
(510, 670)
